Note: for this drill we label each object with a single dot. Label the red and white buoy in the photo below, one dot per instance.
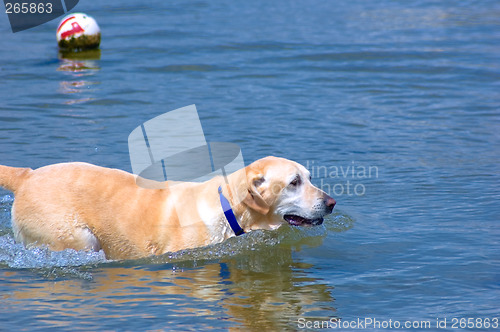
(78, 31)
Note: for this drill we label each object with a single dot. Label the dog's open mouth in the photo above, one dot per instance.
(295, 220)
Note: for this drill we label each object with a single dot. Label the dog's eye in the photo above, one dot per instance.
(295, 182)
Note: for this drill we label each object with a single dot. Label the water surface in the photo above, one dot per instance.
(410, 90)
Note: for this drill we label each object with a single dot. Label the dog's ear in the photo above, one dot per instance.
(253, 198)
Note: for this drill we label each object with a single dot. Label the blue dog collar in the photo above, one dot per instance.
(228, 212)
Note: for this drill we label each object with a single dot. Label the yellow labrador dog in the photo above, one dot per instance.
(87, 207)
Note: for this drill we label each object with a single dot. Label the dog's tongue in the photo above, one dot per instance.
(294, 220)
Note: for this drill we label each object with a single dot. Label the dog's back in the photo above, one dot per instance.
(87, 207)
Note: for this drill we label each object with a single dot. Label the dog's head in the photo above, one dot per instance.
(280, 190)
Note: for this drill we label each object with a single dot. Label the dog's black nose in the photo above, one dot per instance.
(330, 203)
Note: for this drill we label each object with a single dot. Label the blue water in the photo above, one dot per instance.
(406, 94)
